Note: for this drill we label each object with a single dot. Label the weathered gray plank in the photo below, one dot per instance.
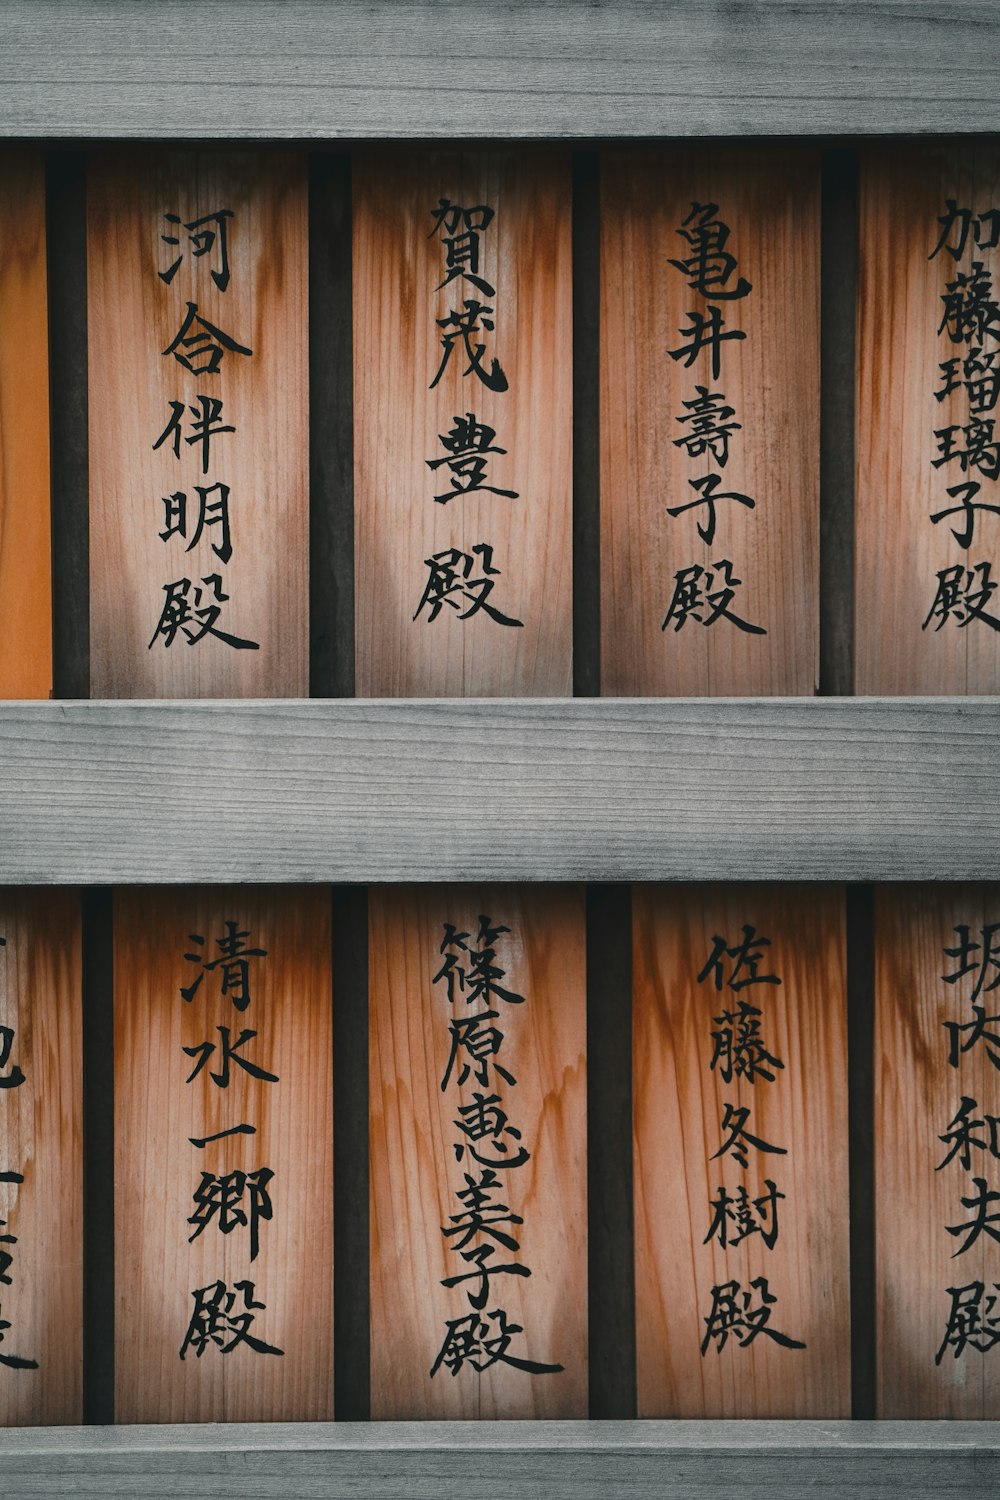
(548, 789)
(504, 68)
(576, 1460)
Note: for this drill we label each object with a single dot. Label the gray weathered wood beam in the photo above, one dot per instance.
(544, 789)
(532, 1460)
(315, 69)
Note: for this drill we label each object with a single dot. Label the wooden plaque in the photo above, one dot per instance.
(199, 511)
(478, 1152)
(25, 553)
(927, 619)
(710, 409)
(223, 1247)
(742, 1279)
(937, 1151)
(41, 1160)
(463, 410)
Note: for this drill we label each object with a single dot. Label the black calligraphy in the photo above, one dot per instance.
(461, 231)
(11, 1077)
(971, 1138)
(967, 448)
(205, 236)
(220, 1197)
(218, 1319)
(705, 594)
(743, 1316)
(742, 1052)
(232, 962)
(227, 1199)
(465, 448)
(483, 1232)
(192, 609)
(460, 579)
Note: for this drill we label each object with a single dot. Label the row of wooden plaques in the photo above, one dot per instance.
(223, 1170)
(462, 339)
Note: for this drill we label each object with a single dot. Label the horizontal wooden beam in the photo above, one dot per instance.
(472, 1460)
(540, 789)
(329, 69)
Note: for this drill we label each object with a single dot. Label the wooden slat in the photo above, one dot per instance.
(919, 627)
(807, 790)
(539, 1460)
(66, 230)
(25, 558)
(838, 353)
(925, 1367)
(331, 428)
(504, 626)
(140, 543)
(41, 1127)
(448, 68)
(722, 598)
(162, 1106)
(705, 964)
(426, 1122)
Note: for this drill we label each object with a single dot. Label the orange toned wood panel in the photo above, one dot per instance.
(707, 1329)
(933, 1140)
(169, 595)
(25, 553)
(407, 512)
(161, 1257)
(760, 565)
(416, 1101)
(910, 637)
(41, 1140)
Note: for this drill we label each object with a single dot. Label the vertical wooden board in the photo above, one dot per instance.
(41, 1141)
(148, 638)
(691, 1363)
(158, 1168)
(426, 631)
(671, 587)
(910, 637)
(926, 1369)
(422, 1116)
(25, 551)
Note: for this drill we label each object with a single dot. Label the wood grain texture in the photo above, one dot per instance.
(600, 790)
(312, 69)
(919, 1191)
(41, 1131)
(25, 548)
(900, 646)
(134, 317)
(768, 385)
(158, 1169)
(415, 1174)
(453, 646)
(680, 1101)
(539, 1460)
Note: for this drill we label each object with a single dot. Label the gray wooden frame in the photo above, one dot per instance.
(850, 789)
(328, 69)
(526, 1460)
(543, 789)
